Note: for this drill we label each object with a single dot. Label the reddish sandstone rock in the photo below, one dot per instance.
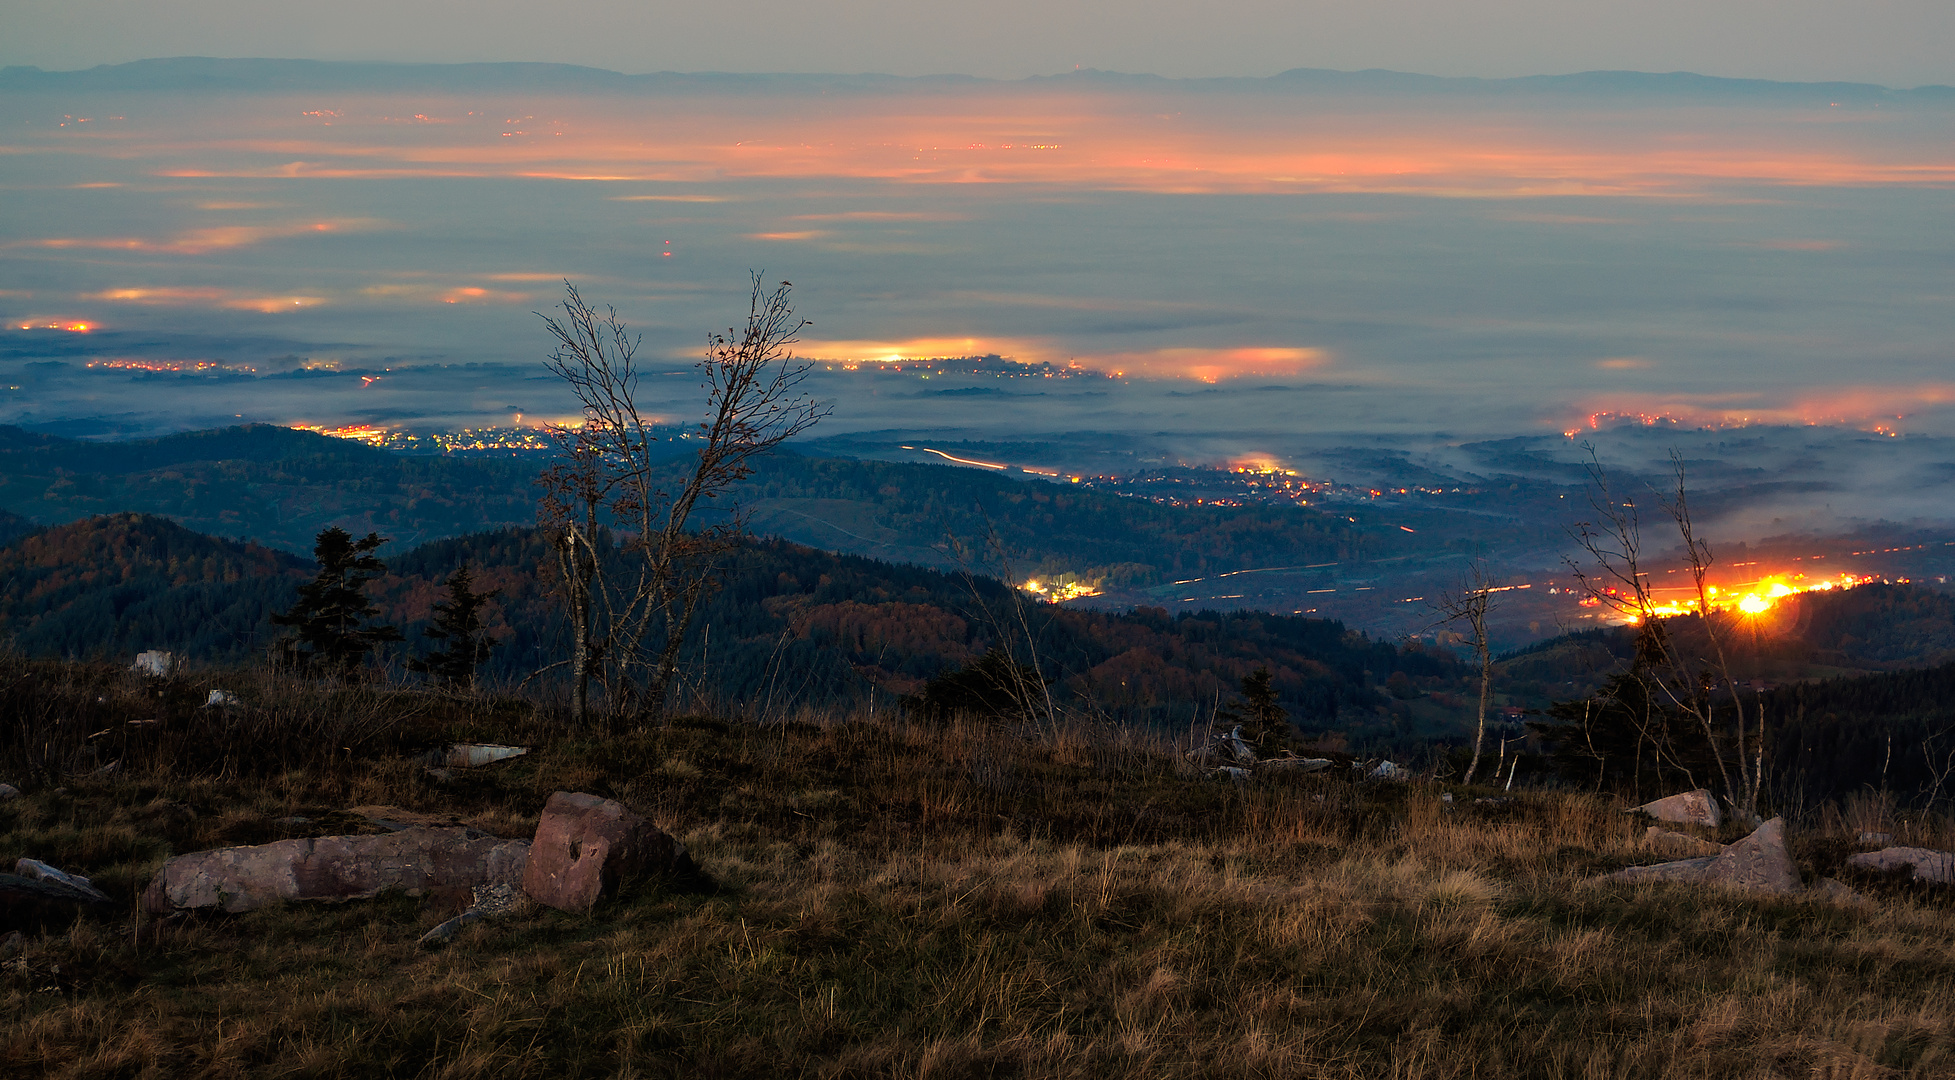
(1758, 863)
(414, 860)
(1691, 808)
(585, 846)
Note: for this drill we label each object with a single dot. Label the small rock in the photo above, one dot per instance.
(501, 898)
(1446, 797)
(219, 699)
(1691, 808)
(1231, 772)
(12, 945)
(1387, 770)
(473, 755)
(446, 932)
(1927, 863)
(80, 887)
(8, 791)
(586, 846)
(1295, 764)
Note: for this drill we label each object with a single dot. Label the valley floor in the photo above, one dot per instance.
(888, 899)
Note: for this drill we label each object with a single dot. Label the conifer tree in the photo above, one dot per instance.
(458, 623)
(332, 627)
(1265, 724)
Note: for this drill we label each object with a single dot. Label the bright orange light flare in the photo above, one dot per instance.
(1751, 598)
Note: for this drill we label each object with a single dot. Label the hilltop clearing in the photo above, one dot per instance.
(887, 899)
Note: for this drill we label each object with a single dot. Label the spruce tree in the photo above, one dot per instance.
(1265, 724)
(331, 622)
(458, 623)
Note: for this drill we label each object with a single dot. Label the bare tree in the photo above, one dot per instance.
(627, 633)
(1614, 576)
(1469, 603)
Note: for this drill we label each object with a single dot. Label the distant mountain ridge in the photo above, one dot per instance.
(254, 75)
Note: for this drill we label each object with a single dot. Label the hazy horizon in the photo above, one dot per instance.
(1279, 266)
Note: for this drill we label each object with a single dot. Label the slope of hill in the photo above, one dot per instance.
(791, 627)
(120, 584)
(279, 487)
(267, 484)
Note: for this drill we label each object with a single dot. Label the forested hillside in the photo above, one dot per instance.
(123, 583)
(790, 627)
(1893, 732)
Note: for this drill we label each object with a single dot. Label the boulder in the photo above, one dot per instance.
(586, 846)
(155, 663)
(1926, 863)
(414, 860)
(1690, 808)
(1758, 863)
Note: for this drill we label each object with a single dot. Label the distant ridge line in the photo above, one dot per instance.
(254, 75)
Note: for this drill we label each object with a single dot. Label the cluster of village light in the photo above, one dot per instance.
(1055, 592)
(512, 439)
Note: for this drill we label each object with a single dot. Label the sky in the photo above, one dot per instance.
(1899, 43)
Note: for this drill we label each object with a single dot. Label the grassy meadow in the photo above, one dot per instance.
(888, 899)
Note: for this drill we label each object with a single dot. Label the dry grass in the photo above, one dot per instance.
(894, 900)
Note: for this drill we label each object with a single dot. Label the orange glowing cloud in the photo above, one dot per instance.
(890, 352)
(178, 296)
(1875, 408)
(432, 293)
(1210, 365)
(1053, 135)
(477, 295)
(206, 240)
